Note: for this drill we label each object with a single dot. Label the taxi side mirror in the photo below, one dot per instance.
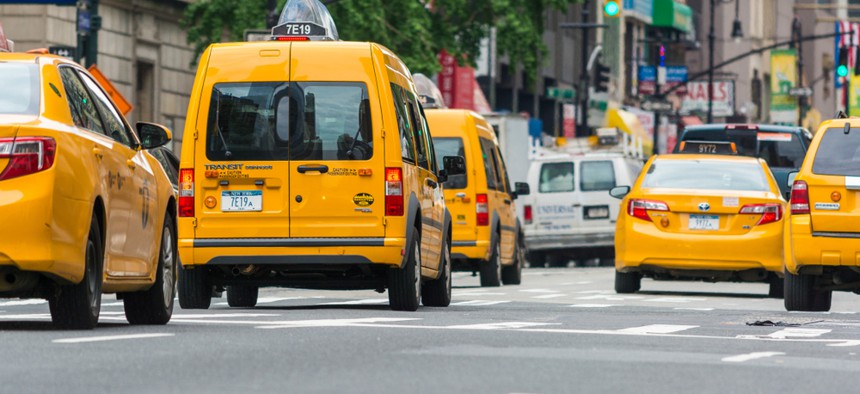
(152, 135)
(619, 191)
(454, 165)
(521, 189)
(442, 176)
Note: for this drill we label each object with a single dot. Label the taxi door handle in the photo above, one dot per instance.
(130, 164)
(322, 169)
(98, 153)
(431, 183)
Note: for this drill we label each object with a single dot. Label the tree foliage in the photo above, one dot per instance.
(414, 29)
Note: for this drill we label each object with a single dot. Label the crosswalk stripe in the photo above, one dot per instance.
(23, 302)
(592, 305)
(750, 356)
(547, 296)
(370, 301)
(500, 326)
(479, 303)
(795, 332)
(656, 329)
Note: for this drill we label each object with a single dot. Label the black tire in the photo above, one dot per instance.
(801, 295)
(437, 292)
(776, 287)
(242, 296)
(627, 282)
(195, 292)
(404, 284)
(77, 306)
(491, 270)
(537, 259)
(513, 274)
(155, 305)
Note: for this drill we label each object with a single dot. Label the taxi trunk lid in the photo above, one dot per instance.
(713, 212)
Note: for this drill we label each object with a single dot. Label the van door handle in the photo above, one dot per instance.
(98, 153)
(130, 164)
(431, 183)
(322, 169)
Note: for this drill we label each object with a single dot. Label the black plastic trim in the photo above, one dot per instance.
(835, 234)
(281, 242)
(290, 259)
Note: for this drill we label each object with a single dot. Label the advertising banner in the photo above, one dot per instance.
(696, 99)
(783, 71)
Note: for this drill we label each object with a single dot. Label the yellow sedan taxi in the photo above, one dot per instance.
(87, 209)
(700, 217)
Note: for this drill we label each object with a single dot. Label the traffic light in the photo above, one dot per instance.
(602, 83)
(612, 9)
(842, 65)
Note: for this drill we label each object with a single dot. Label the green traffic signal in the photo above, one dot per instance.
(611, 8)
(842, 70)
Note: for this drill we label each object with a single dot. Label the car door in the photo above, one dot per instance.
(508, 211)
(496, 194)
(431, 222)
(111, 166)
(142, 227)
(555, 202)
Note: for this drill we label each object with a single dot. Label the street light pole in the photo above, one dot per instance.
(796, 33)
(712, 36)
(583, 93)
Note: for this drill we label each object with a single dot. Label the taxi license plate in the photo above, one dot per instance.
(242, 201)
(704, 222)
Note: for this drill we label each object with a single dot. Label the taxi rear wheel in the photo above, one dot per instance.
(627, 282)
(513, 274)
(195, 292)
(404, 284)
(491, 271)
(801, 295)
(155, 305)
(437, 292)
(77, 306)
(242, 296)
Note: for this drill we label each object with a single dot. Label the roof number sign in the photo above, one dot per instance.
(298, 29)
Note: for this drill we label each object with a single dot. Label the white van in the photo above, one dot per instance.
(570, 214)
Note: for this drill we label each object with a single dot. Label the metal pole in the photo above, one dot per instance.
(846, 88)
(795, 35)
(711, 38)
(491, 68)
(583, 93)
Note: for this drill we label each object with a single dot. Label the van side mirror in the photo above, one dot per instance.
(521, 189)
(152, 135)
(454, 165)
(619, 191)
(442, 176)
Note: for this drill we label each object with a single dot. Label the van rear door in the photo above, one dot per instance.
(599, 209)
(834, 184)
(555, 203)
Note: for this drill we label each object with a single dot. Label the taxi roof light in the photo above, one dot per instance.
(305, 20)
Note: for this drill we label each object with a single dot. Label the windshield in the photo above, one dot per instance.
(838, 153)
(706, 175)
(20, 84)
(451, 147)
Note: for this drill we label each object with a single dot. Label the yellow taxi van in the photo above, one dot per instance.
(487, 236)
(822, 233)
(308, 164)
(88, 210)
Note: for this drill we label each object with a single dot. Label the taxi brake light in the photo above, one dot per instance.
(27, 155)
(186, 192)
(769, 212)
(799, 198)
(639, 208)
(393, 191)
(291, 38)
(527, 214)
(482, 210)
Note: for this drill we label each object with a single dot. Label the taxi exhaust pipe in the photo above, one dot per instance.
(244, 270)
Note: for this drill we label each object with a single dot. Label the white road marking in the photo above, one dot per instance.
(222, 315)
(477, 293)
(609, 297)
(23, 302)
(656, 329)
(694, 309)
(370, 301)
(595, 292)
(593, 305)
(500, 326)
(798, 333)
(675, 299)
(582, 282)
(120, 303)
(479, 303)
(546, 296)
(539, 291)
(26, 316)
(750, 356)
(334, 322)
(269, 300)
(111, 338)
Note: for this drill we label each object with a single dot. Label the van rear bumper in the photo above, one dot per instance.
(283, 251)
(570, 241)
(470, 249)
(822, 249)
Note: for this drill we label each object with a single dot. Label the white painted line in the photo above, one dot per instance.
(656, 329)
(23, 302)
(116, 304)
(592, 305)
(547, 296)
(479, 303)
(750, 356)
(477, 293)
(269, 300)
(610, 297)
(582, 282)
(539, 291)
(221, 315)
(334, 322)
(371, 301)
(798, 333)
(26, 316)
(675, 299)
(595, 292)
(500, 326)
(111, 338)
(694, 309)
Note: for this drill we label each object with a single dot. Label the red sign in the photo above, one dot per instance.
(456, 83)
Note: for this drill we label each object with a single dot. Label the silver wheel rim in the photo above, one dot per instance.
(498, 261)
(417, 268)
(168, 260)
(92, 277)
(447, 270)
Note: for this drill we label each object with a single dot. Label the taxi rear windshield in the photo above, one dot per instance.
(264, 121)
(451, 147)
(838, 153)
(20, 84)
(706, 175)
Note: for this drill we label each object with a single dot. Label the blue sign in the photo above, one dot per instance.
(54, 2)
(647, 73)
(84, 21)
(640, 8)
(676, 74)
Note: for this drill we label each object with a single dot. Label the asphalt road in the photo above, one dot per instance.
(563, 330)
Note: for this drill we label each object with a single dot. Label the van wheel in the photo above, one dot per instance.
(491, 270)
(627, 282)
(155, 305)
(195, 292)
(242, 296)
(776, 287)
(513, 274)
(438, 292)
(537, 259)
(800, 294)
(404, 284)
(77, 306)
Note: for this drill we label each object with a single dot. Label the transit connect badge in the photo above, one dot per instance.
(826, 206)
(363, 199)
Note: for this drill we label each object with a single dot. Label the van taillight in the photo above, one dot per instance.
(482, 209)
(769, 212)
(800, 198)
(393, 192)
(186, 192)
(639, 208)
(27, 155)
(527, 214)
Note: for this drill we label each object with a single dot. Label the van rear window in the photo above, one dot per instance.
(20, 89)
(596, 176)
(263, 121)
(838, 153)
(556, 178)
(451, 147)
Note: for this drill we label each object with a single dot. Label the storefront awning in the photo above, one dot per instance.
(669, 13)
(629, 123)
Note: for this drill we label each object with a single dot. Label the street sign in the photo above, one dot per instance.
(560, 93)
(696, 100)
(657, 106)
(64, 51)
(800, 92)
(84, 21)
